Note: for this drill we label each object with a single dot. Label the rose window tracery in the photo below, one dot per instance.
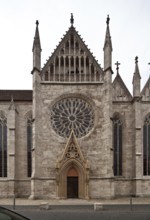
(72, 114)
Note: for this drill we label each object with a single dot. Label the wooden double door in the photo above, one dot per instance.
(72, 184)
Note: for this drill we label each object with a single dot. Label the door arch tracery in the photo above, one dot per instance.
(72, 163)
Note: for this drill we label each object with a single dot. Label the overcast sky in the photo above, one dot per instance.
(129, 28)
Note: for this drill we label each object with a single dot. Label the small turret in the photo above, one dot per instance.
(107, 47)
(37, 49)
(136, 80)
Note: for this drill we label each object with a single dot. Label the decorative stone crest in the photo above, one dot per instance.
(72, 152)
(72, 149)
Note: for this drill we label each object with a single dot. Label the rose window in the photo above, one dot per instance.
(72, 114)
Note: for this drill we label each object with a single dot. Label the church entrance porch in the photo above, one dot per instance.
(72, 172)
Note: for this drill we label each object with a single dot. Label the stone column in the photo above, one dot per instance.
(11, 146)
(64, 67)
(137, 148)
(85, 79)
(36, 140)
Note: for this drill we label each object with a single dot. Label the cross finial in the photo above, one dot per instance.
(37, 22)
(108, 19)
(117, 66)
(136, 59)
(71, 19)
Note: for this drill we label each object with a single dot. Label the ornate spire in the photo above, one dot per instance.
(107, 47)
(36, 41)
(37, 48)
(107, 36)
(137, 73)
(136, 79)
(71, 19)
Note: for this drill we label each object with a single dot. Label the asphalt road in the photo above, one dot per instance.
(71, 215)
(112, 212)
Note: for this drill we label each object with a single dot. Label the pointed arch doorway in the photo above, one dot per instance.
(72, 183)
(72, 172)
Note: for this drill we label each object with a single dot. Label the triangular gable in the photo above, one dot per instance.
(146, 91)
(72, 61)
(120, 91)
(72, 149)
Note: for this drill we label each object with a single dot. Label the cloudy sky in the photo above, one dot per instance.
(129, 27)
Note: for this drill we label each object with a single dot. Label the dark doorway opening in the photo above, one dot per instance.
(72, 184)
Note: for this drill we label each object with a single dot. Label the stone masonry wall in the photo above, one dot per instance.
(20, 184)
(92, 145)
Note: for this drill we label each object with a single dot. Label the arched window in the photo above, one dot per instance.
(3, 147)
(117, 146)
(146, 146)
(29, 146)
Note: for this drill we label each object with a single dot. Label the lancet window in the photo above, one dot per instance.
(146, 146)
(29, 146)
(117, 146)
(3, 146)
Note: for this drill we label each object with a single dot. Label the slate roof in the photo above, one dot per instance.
(17, 95)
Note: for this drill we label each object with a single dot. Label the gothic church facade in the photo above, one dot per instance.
(77, 134)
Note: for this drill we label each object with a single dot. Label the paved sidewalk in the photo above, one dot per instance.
(28, 202)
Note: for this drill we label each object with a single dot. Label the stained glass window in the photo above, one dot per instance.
(3, 147)
(29, 146)
(146, 146)
(117, 146)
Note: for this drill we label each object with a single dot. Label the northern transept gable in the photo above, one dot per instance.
(72, 61)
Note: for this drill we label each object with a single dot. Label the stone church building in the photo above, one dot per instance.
(78, 133)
